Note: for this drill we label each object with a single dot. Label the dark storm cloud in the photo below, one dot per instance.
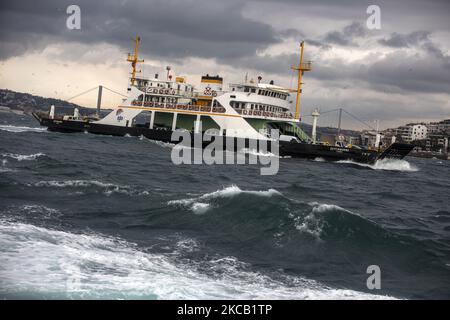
(169, 28)
(347, 36)
(396, 40)
(396, 72)
(179, 29)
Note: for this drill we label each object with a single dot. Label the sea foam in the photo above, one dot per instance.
(386, 164)
(201, 204)
(56, 264)
(22, 157)
(18, 129)
(106, 187)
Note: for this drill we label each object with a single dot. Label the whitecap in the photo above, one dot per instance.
(22, 157)
(259, 153)
(313, 222)
(56, 264)
(108, 188)
(3, 168)
(18, 129)
(386, 164)
(200, 204)
(235, 190)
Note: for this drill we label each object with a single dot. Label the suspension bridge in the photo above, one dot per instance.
(99, 96)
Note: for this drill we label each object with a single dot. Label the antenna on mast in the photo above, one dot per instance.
(301, 68)
(133, 58)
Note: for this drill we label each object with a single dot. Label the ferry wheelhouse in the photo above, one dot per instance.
(246, 110)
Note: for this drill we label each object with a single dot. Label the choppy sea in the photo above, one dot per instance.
(86, 217)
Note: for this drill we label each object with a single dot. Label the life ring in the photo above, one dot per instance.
(166, 91)
(172, 91)
(161, 91)
(244, 112)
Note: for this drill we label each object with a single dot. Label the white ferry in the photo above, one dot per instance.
(247, 112)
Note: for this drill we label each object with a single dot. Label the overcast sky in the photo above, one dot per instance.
(399, 73)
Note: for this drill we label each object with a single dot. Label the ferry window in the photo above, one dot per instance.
(179, 87)
(247, 89)
(233, 89)
(259, 91)
(253, 90)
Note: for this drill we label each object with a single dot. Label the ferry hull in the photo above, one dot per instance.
(286, 149)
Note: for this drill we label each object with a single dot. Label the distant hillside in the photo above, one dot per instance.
(29, 103)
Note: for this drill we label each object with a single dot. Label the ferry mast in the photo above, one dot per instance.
(301, 68)
(133, 58)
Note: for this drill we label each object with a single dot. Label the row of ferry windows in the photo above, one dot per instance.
(158, 99)
(253, 106)
(266, 93)
(168, 85)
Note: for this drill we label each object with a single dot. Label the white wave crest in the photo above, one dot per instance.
(108, 188)
(235, 190)
(51, 264)
(200, 204)
(22, 157)
(258, 153)
(313, 222)
(160, 143)
(18, 129)
(386, 164)
(3, 167)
